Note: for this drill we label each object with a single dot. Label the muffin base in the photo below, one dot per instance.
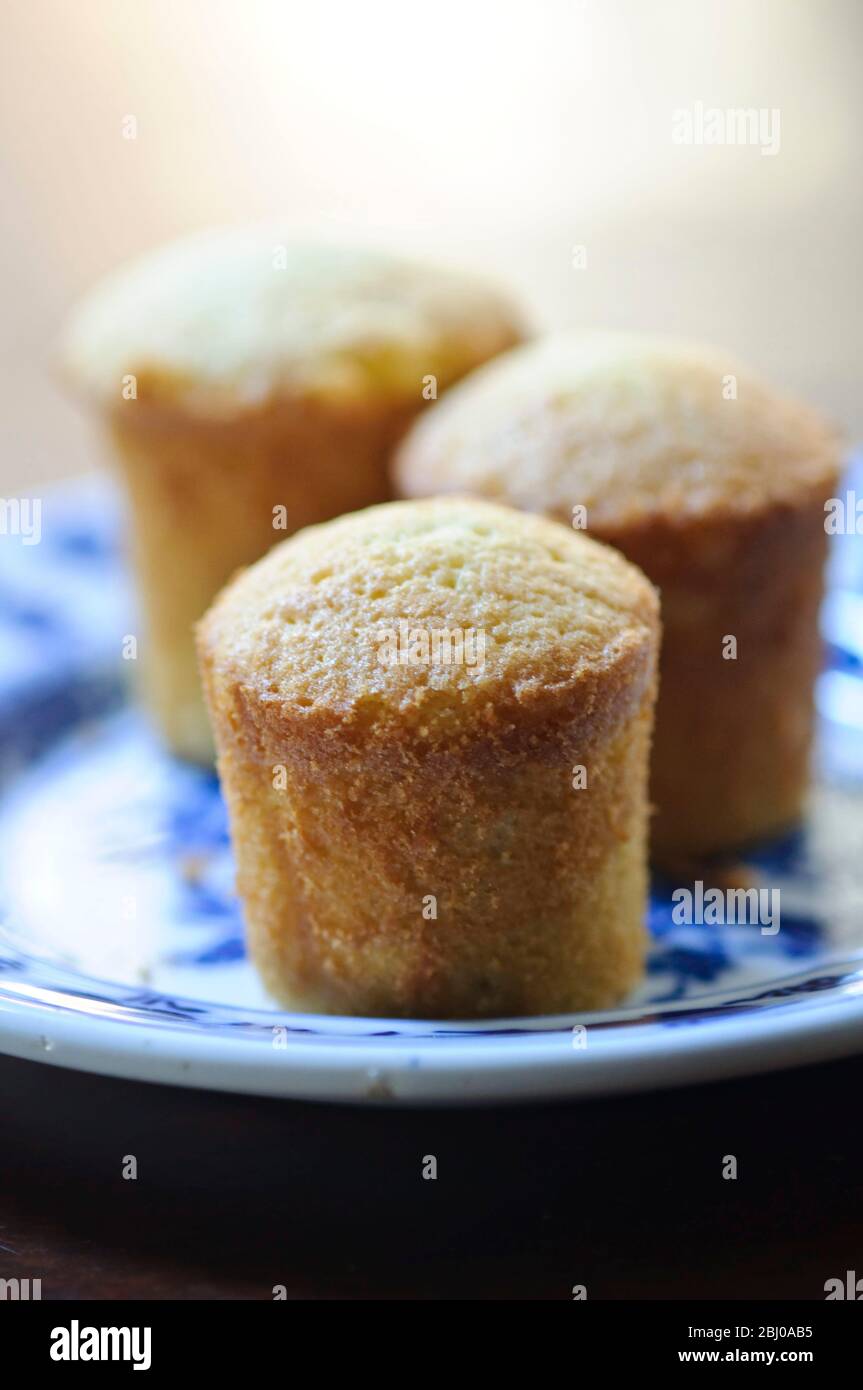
(733, 736)
(202, 497)
(539, 889)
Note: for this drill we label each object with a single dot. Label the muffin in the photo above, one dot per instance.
(713, 485)
(250, 387)
(433, 722)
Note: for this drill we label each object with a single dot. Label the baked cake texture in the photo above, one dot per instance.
(251, 386)
(448, 826)
(715, 486)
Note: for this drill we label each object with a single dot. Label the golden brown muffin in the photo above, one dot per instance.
(412, 833)
(715, 486)
(250, 387)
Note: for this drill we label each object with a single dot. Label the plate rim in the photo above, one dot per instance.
(495, 1061)
(492, 1062)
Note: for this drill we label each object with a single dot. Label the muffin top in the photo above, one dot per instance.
(225, 321)
(632, 428)
(334, 629)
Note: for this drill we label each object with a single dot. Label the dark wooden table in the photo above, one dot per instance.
(624, 1195)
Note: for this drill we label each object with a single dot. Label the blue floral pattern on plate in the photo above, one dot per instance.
(116, 878)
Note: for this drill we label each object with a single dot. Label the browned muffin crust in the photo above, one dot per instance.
(251, 386)
(455, 781)
(715, 486)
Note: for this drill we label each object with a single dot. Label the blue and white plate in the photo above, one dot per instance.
(121, 945)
